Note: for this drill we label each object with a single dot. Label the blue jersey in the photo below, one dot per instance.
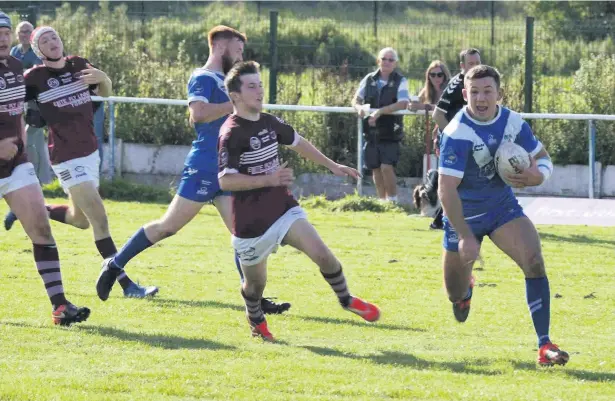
(206, 86)
(467, 151)
(28, 59)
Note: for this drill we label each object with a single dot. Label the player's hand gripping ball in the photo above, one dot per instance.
(511, 158)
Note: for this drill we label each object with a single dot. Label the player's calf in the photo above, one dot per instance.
(255, 316)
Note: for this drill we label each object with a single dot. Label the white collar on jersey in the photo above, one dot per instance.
(465, 112)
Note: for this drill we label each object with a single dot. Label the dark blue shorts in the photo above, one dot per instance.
(482, 224)
(199, 186)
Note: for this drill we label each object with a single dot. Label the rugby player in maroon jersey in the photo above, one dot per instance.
(19, 185)
(265, 214)
(62, 87)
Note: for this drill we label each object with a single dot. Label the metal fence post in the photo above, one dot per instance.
(529, 62)
(592, 158)
(375, 20)
(360, 154)
(112, 139)
(273, 52)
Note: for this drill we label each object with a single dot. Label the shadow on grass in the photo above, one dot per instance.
(196, 304)
(577, 239)
(477, 366)
(574, 373)
(409, 360)
(155, 340)
(240, 308)
(358, 323)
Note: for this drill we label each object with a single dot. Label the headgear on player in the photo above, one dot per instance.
(36, 36)
(5, 21)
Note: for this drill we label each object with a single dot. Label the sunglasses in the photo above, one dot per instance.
(388, 59)
(436, 74)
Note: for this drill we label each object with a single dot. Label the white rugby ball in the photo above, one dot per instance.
(511, 158)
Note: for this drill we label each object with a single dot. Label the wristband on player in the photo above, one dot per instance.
(545, 166)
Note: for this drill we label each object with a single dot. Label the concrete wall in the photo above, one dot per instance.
(162, 165)
(607, 187)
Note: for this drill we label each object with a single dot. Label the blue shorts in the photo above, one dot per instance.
(199, 186)
(482, 224)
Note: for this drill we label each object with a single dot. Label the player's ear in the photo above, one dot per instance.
(500, 94)
(465, 94)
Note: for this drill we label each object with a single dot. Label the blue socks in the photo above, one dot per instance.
(539, 302)
(135, 245)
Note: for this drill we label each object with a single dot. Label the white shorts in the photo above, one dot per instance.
(252, 251)
(79, 170)
(22, 176)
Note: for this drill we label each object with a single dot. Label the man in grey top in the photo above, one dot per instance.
(387, 91)
(38, 153)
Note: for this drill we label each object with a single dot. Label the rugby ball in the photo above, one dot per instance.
(511, 158)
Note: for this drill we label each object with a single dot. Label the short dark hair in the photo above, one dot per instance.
(483, 71)
(224, 32)
(464, 53)
(233, 81)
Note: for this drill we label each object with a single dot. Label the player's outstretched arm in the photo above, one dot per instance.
(469, 247)
(282, 177)
(201, 112)
(451, 203)
(439, 116)
(309, 151)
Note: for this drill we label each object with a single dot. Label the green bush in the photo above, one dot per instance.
(118, 190)
(322, 60)
(354, 203)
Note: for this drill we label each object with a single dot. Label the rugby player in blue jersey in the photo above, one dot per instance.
(478, 203)
(209, 107)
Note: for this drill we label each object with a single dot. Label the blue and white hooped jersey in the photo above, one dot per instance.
(206, 86)
(467, 151)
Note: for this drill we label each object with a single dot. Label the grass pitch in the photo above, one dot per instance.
(192, 341)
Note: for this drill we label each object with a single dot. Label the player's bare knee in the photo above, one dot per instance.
(42, 232)
(456, 293)
(534, 266)
(163, 229)
(81, 223)
(326, 261)
(254, 289)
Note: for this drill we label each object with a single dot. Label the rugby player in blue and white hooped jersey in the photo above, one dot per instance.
(209, 107)
(478, 203)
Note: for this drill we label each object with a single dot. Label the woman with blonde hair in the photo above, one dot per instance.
(437, 76)
(436, 79)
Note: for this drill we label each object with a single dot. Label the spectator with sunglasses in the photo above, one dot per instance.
(385, 90)
(436, 79)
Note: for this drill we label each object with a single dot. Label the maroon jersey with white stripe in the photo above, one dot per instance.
(12, 94)
(251, 148)
(65, 104)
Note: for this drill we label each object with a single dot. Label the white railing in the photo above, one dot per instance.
(349, 110)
